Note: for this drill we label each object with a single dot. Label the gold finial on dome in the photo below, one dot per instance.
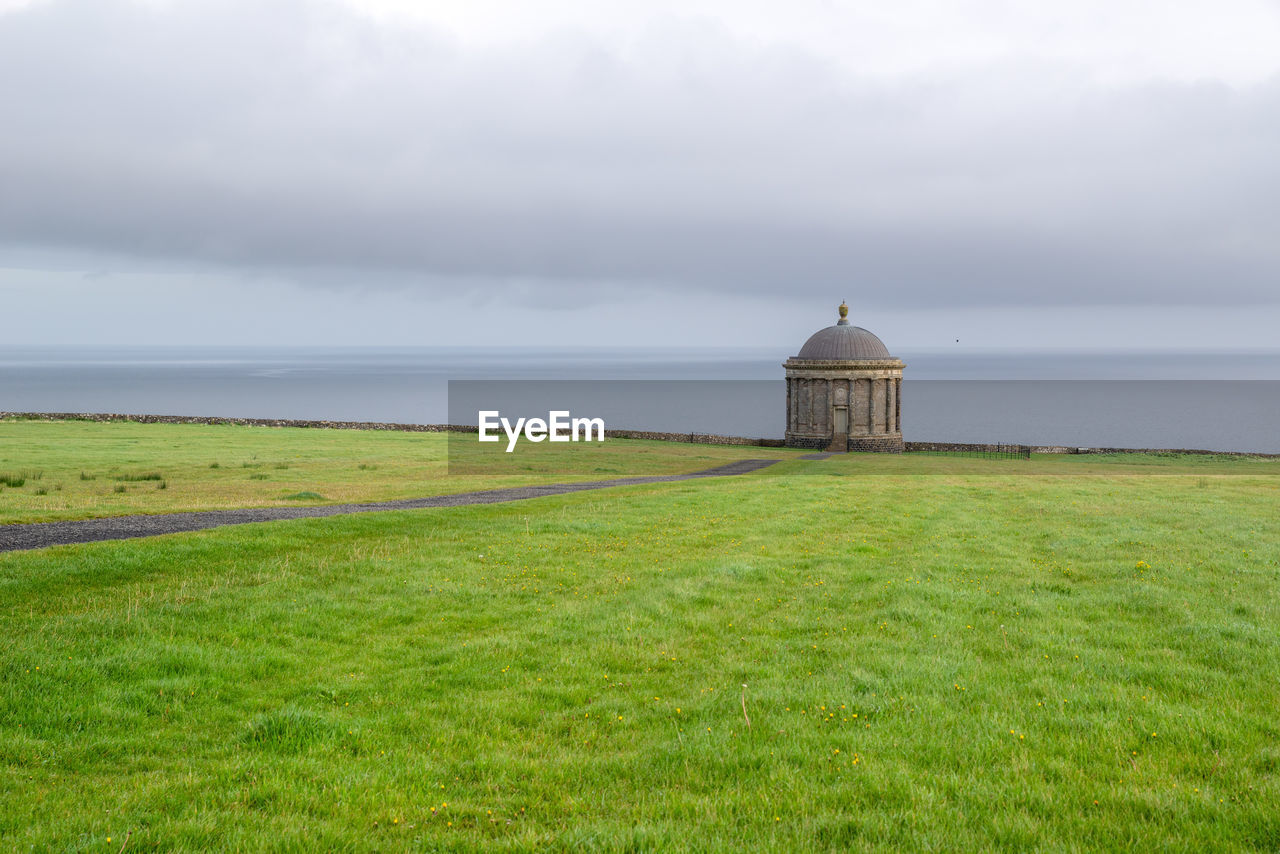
(844, 315)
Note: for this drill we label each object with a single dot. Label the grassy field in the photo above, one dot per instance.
(1070, 653)
(79, 469)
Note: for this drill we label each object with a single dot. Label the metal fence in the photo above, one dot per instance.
(986, 452)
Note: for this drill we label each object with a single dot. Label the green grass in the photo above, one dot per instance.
(136, 478)
(207, 467)
(1076, 655)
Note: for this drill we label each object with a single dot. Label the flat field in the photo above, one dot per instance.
(84, 469)
(853, 654)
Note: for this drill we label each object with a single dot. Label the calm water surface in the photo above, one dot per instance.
(1220, 401)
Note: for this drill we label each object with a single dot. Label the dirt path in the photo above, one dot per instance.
(39, 535)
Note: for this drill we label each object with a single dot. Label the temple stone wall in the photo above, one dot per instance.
(868, 393)
(860, 417)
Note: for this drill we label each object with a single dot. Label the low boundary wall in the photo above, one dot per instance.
(695, 438)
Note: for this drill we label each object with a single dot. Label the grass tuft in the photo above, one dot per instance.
(12, 480)
(289, 731)
(304, 496)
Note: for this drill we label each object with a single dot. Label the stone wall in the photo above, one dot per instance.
(963, 447)
(860, 416)
(813, 443)
(876, 444)
(859, 396)
(695, 438)
(240, 422)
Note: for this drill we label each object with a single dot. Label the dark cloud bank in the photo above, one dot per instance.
(304, 140)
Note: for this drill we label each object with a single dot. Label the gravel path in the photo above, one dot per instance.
(40, 535)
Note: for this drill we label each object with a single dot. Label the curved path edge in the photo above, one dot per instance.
(39, 535)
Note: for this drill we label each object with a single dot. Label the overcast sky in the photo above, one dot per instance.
(1092, 173)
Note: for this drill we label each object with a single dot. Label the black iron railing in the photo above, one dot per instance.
(987, 452)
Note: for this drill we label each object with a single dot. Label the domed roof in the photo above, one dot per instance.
(844, 343)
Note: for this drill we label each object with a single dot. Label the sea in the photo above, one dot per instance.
(1223, 401)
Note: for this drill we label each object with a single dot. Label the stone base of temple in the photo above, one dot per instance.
(808, 441)
(886, 443)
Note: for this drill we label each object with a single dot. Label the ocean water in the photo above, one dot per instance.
(1216, 401)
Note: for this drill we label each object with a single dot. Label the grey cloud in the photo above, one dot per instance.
(301, 139)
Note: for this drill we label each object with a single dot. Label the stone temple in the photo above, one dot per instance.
(844, 392)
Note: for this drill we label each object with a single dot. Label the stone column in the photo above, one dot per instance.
(791, 405)
(877, 407)
(897, 403)
(828, 414)
(891, 406)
